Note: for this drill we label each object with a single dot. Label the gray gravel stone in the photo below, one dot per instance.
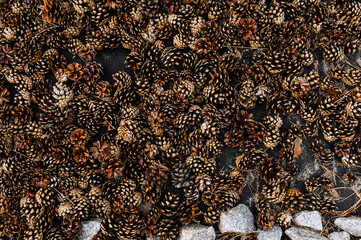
(197, 232)
(339, 236)
(238, 219)
(274, 233)
(311, 219)
(89, 228)
(352, 225)
(298, 233)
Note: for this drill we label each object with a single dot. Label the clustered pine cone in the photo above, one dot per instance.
(142, 149)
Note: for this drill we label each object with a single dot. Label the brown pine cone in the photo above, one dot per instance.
(274, 191)
(265, 220)
(188, 212)
(46, 196)
(324, 156)
(168, 229)
(269, 169)
(54, 234)
(283, 219)
(349, 178)
(211, 216)
(181, 175)
(81, 208)
(263, 205)
(169, 204)
(227, 200)
(299, 86)
(86, 53)
(74, 71)
(122, 80)
(210, 196)
(316, 185)
(328, 206)
(78, 137)
(271, 137)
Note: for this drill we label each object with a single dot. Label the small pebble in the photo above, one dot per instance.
(339, 236)
(298, 233)
(238, 219)
(89, 228)
(352, 225)
(311, 219)
(197, 232)
(274, 233)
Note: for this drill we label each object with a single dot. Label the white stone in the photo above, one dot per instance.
(197, 232)
(89, 228)
(298, 233)
(339, 236)
(311, 219)
(238, 219)
(274, 233)
(352, 225)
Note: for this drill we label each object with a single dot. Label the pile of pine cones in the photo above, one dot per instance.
(141, 151)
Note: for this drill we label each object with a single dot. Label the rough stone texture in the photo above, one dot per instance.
(352, 225)
(339, 236)
(312, 219)
(274, 233)
(197, 232)
(89, 228)
(237, 219)
(298, 233)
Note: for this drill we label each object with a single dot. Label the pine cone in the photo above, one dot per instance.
(191, 192)
(265, 220)
(211, 216)
(33, 234)
(181, 175)
(45, 196)
(102, 208)
(274, 191)
(270, 169)
(188, 212)
(70, 226)
(54, 234)
(324, 156)
(210, 196)
(271, 138)
(81, 208)
(263, 205)
(86, 52)
(227, 200)
(318, 184)
(168, 229)
(349, 178)
(328, 206)
(202, 182)
(283, 219)
(170, 204)
(199, 165)
(122, 80)
(74, 71)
